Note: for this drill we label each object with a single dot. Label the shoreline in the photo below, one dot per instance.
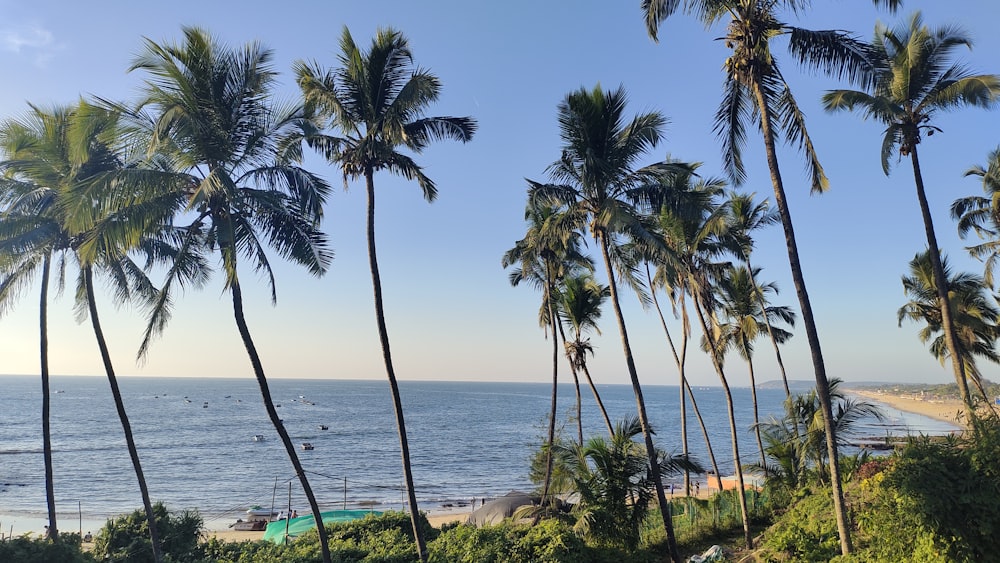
(943, 410)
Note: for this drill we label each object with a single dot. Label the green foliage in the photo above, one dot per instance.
(806, 532)
(28, 549)
(549, 541)
(126, 539)
(938, 497)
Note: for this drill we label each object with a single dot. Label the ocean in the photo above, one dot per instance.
(195, 438)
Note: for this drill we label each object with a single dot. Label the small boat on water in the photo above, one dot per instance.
(323, 427)
(307, 446)
(258, 438)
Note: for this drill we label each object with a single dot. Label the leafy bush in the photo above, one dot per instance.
(806, 532)
(126, 539)
(550, 541)
(29, 549)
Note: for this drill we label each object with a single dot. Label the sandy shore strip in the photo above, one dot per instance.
(946, 410)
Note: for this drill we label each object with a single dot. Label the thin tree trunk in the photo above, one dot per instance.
(576, 384)
(43, 339)
(383, 335)
(770, 330)
(647, 432)
(680, 370)
(555, 390)
(154, 535)
(756, 414)
(819, 367)
(737, 465)
(941, 281)
(597, 397)
(272, 414)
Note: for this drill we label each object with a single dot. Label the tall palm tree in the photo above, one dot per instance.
(689, 221)
(982, 215)
(580, 300)
(29, 243)
(738, 301)
(213, 117)
(53, 156)
(598, 180)
(747, 216)
(755, 93)
(547, 254)
(916, 79)
(973, 315)
(377, 100)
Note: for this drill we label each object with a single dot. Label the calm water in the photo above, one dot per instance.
(467, 440)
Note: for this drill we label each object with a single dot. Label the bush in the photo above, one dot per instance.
(126, 539)
(807, 531)
(28, 549)
(550, 541)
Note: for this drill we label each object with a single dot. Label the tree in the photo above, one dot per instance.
(214, 119)
(597, 180)
(580, 301)
(916, 79)
(974, 316)
(548, 253)
(982, 215)
(689, 220)
(747, 216)
(612, 478)
(377, 100)
(56, 175)
(738, 300)
(755, 93)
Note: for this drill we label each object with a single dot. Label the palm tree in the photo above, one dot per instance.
(613, 480)
(917, 79)
(982, 215)
(688, 223)
(974, 316)
(580, 301)
(377, 101)
(214, 119)
(547, 254)
(29, 243)
(597, 179)
(747, 216)
(755, 93)
(738, 300)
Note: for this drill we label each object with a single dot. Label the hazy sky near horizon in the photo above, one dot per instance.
(451, 312)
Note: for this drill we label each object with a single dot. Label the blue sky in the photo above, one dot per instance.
(450, 309)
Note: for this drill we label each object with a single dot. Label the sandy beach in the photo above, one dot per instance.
(944, 410)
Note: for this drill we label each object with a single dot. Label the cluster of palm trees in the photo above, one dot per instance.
(653, 215)
(206, 162)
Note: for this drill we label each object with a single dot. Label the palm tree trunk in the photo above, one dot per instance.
(647, 432)
(154, 536)
(680, 370)
(272, 414)
(941, 281)
(770, 330)
(756, 413)
(597, 398)
(551, 437)
(737, 464)
(819, 367)
(576, 384)
(43, 339)
(383, 335)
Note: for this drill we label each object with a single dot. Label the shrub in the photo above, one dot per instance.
(126, 539)
(550, 541)
(28, 549)
(807, 531)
